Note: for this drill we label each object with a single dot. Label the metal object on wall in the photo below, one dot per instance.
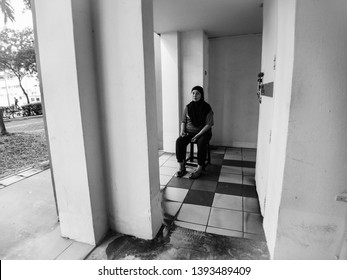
(264, 89)
(260, 89)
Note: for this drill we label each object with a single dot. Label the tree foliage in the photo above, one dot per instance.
(7, 10)
(27, 4)
(17, 54)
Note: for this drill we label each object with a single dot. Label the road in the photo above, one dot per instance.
(27, 125)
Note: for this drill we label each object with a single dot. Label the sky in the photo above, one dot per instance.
(23, 20)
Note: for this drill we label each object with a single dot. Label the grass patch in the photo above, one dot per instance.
(21, 150)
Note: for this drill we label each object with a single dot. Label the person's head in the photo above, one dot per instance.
(197, 93)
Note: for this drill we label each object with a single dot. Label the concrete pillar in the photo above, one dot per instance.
(157, 54)
(193, 47)
(311, 222)
(170, 55)
(184, 62)
(65, 58)
(308, 159)
(126, 73)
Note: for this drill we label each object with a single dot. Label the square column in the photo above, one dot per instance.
(170, 57)
(184, 59)
(125, 64)
(194, 60)
(65, 57)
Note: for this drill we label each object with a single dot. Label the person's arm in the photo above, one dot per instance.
(183, 123)
(202, 131)
(183, 129)
(208, 125)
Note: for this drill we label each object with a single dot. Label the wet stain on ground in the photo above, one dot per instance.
(176, 243)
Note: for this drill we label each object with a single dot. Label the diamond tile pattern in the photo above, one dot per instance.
(222, 201)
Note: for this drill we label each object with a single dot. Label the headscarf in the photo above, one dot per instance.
(198, 110)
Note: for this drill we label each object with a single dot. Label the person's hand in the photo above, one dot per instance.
(183, 134)
(195, 138)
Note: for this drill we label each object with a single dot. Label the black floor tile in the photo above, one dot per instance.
(229, 188)
(180, 183)
(209, 176)
(217, 161)
(241, 163)
(203, 198)
(204, 185)
(217, 148)
(217, 156)
(213, 169)
(249, 191)
(230, 162)
(250, 164)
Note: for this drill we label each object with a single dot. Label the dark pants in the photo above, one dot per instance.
(181, 147)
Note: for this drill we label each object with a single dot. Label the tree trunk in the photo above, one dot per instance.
(24, 92)
(3, 130)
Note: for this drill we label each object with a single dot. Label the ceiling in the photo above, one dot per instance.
(218, 18)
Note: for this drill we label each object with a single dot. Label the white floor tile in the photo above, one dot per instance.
(224, 232)
(169, 171)
(231, 169)
(174, 194)
(248, 171)
(190, 226)
(194, 214)
(227, 219)
(230, 178)
(164, 179)
(248, 180)
(226, 201)
(251, 204)
(171, 207)
(233, 156)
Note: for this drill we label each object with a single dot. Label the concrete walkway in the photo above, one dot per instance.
(29, 223)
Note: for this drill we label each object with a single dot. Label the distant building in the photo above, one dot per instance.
(10, 89)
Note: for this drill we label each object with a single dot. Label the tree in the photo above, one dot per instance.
(7, 10)
(17, 54)
(27, 4)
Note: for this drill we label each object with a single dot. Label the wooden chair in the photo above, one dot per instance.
(191, 157)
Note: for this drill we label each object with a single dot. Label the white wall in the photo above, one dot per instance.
(234, 65)
(311, 222)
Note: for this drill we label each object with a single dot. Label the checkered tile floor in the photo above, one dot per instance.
(222, 201)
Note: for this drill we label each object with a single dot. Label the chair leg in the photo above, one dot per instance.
(208, 159)
(191, 152)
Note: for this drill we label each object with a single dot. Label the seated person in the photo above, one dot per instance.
(196, 126)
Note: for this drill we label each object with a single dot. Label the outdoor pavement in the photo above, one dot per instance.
(28, 218)
(29, 223)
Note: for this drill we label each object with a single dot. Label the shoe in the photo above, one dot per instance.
(195, 175)
(181, 173)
